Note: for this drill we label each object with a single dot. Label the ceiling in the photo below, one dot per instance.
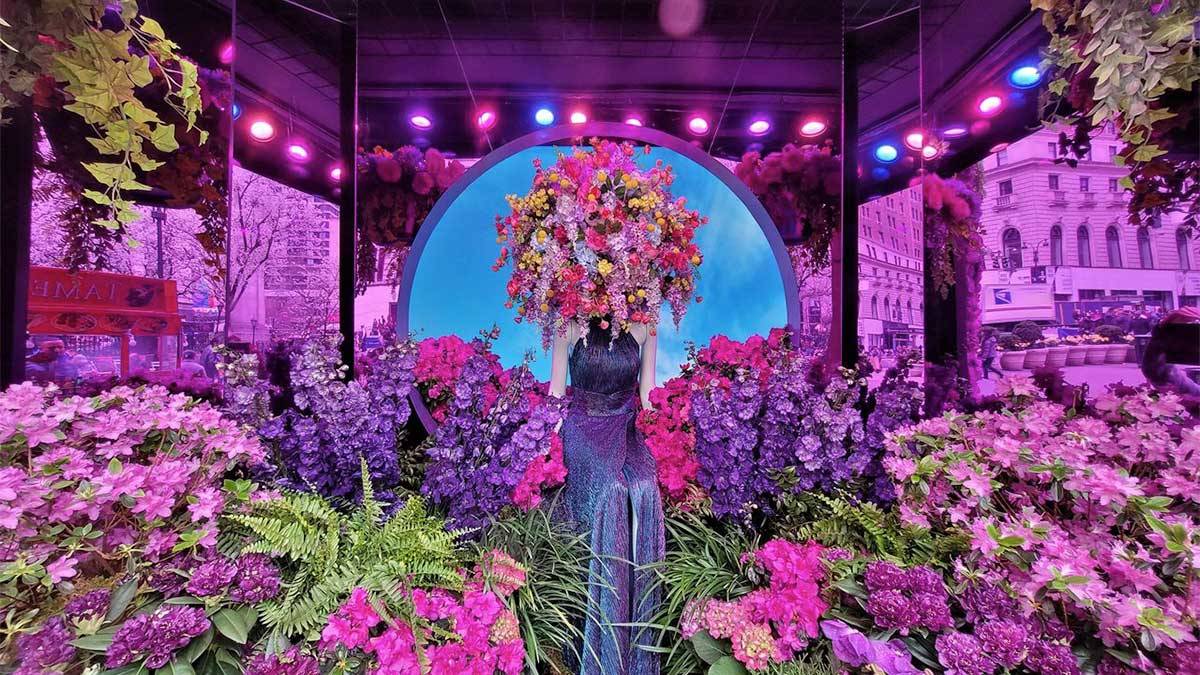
(779, 59)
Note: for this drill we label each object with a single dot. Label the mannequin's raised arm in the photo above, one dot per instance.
(646, 378)
(558, 360)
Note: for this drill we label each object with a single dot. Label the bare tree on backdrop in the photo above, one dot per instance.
(262, 212)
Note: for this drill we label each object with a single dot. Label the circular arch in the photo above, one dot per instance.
(576, 134)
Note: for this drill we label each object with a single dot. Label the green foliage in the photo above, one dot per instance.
(703, 561)
(1009, 342)
(101, 73)
(1128, 64)
(1110, 333)
(1027, 331)
(865, 528)
(550, 607)
(325, 554)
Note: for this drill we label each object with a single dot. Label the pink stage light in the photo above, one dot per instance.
(698, 125)
(226, 53)
(990, 105)
(955, 131)
(297, 152)
(915, 140)
(335, 174)
(813, 128)
(578, 117)
(633, 121)
(759, 127)
(262, 131)
(930, 152)
(486, 120)
(998, 147)
(421, 122)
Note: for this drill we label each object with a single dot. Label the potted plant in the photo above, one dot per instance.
(1012, 351)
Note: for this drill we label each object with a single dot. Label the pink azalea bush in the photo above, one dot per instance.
(467, 633)
(772, 624)
(95, 487)
(1086, 516)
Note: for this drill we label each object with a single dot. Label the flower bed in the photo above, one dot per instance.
(1024, 538)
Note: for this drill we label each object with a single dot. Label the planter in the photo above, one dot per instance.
(1096, 354)
(1076, 355)
(1116, 353)
(1012, 360)
(1035, 358)
(1132, 355)
(1056, 357)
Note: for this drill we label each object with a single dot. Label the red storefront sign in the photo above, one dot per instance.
(100, 303)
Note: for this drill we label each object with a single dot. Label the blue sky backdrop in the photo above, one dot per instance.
(455, 290)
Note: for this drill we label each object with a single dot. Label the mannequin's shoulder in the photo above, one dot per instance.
(640, 332)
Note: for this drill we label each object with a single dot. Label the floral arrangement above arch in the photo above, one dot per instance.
(397, 190)
(951, 225)
(598, 237)
(1132, 65)
(800, 187)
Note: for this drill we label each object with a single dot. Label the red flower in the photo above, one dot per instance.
(389, 170)
(422, 183)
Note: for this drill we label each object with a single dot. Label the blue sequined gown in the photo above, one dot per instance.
(612, 493)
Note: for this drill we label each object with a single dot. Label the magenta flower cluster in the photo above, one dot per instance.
(773, 624)
(1090, 515)
(477, 634)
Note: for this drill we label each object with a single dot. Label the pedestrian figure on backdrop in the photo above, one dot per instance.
(987, 352)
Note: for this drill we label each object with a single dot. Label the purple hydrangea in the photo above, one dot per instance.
(906, 599)
(290, 662)
(49, 646)
(212, 578)
(154, 638)
(88, 605)
(170, 576)
(985, 601)
(963, 654)
(257, 579)
(1052, 658)
(480, 452)
(1005, 641)
(732, 470)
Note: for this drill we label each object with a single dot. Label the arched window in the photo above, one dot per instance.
(874, 307)
(911, 319)
(1012, 248)
(1145, 250)
(1085, 246)
(887, 309)
(1183, 246)
(1112, 239)
(1056, 250)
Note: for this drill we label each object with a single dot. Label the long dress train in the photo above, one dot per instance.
(612, 492)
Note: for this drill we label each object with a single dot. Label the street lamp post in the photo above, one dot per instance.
(253, 331)
(159, 215)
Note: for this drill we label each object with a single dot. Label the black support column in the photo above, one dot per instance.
(849, 232)
(348, 104)
(16, 200)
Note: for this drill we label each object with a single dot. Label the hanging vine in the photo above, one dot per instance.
(1133, 65)
(101, 61)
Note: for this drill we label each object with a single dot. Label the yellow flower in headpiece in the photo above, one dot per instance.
(604, 267)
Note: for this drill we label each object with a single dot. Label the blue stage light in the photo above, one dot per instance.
(544, 116)
(237, 110)
(1025, 77)
(886, 153)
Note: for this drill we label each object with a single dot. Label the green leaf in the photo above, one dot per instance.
(109, 173)
(98, 641)
(121, 597)
(176, 667)
(707, 648)
(232, 625)
(727, 665)
(163, 137)
(131, 669)
(153, 28)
